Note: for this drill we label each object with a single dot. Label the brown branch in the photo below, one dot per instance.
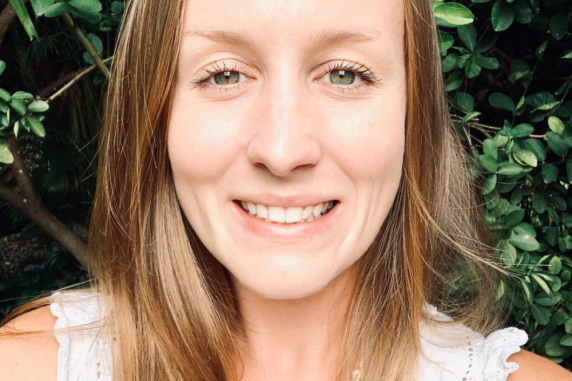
(71, 79)
(86, 44)
(24, 197)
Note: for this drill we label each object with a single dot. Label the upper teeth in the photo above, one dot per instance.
(287, 215)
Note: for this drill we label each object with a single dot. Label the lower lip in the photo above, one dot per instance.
(269, 229)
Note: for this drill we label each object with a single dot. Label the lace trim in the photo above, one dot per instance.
(500, 345)
(63, 340)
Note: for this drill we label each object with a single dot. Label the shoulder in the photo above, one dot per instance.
(533, 367)
(29, 357)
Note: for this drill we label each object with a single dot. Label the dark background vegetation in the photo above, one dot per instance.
(508, 70)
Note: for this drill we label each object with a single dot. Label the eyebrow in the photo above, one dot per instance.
(324, 37)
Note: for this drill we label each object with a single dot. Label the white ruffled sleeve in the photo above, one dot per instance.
(457, 353)
(498, 346)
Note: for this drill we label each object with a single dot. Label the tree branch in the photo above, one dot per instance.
(86, 44)
(24, 197)
(67, 81)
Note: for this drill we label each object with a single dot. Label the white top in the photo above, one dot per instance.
(85, 355)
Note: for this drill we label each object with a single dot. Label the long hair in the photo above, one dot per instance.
(170, 305)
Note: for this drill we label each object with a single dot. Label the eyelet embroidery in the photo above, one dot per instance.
(471, 357)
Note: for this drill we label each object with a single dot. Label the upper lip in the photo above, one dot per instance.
(286, 201)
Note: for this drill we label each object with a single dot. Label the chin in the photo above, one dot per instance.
(284, 286)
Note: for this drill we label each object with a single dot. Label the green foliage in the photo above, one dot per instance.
(509, 73)
(56, 125)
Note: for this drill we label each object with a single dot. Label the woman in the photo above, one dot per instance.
(280, 196)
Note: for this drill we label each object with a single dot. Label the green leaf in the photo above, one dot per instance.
(540, 314)
(555, 265)
(547, 106)
(22, 13)
(568, 325)
(567, 55)
(501, 101)
(5, 154)
(557, 143)
(509, 169)
(558, 25)
(487, 62)
(468, 35)
(553, 347)
(556, 124)
(16, 128)
(96, 42)
(472, 69)
(490, 148)
(22, 95)
(36, 126)
(540, 99)
(525, 157)
(569, 170)
(2, 66)
(453, 82)
(527, 289)
(5, 96)
(542, 283)
(450, 62)
(522, 130)
(525, 228)
(549, 173)
(446, 41)
(566, 340)
(41, 6)
(469, 116)
(515, 217)
(19, 106)
(87, 6)
(38, 106)
(536, 146)
(524, 242)
(453, 14)
(488, 163)
(547, 301)
(502, 15)
(490, 184)
(509, 254)
(57, 9)
(466, 101)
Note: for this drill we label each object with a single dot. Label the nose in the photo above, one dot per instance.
(285, 129)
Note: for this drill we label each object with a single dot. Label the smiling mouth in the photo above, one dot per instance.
(290, 215)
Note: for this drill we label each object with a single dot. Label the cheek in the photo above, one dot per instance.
(201, 146)
(369, 142)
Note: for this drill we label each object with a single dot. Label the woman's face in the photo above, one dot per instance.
(286, 105)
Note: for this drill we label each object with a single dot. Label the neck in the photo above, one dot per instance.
(290, 339)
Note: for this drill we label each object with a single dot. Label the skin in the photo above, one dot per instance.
(289, 129)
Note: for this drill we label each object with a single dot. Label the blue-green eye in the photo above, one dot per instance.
(227, 77)
(345, 77)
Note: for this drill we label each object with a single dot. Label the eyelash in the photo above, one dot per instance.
(368, 77)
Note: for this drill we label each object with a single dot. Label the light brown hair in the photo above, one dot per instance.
(174, 312)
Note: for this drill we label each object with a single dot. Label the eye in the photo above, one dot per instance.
(225, 79)
(343, 76)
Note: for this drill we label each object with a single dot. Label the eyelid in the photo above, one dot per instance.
(367, 77)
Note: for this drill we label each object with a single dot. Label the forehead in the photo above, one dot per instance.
(280, 23)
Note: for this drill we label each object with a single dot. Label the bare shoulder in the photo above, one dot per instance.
(533, 367)
(29, 357)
